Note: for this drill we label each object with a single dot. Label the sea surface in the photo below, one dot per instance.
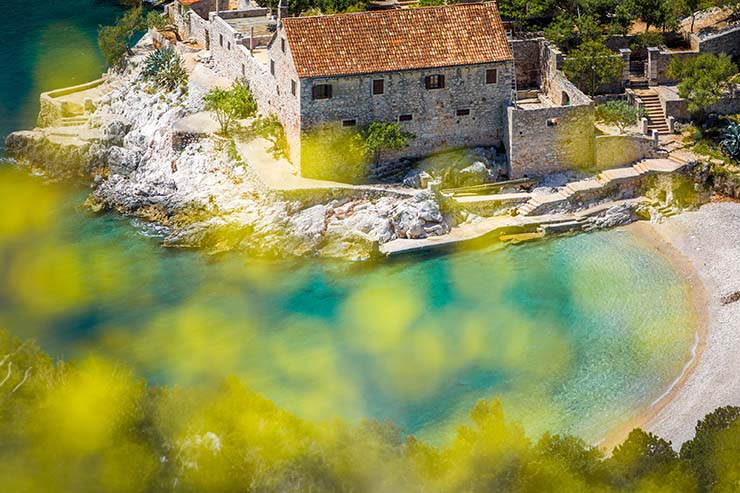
(574, 334)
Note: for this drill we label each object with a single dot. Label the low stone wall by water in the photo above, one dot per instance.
(614, 151)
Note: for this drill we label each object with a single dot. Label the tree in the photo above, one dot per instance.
(569, 31)
(230, 104)
(155, 20)
(717, 433)
(115, 41)
(620, 114)
(642, 454)
(702, 79)
(592, 65)
(657, 13)
(381, 136)
(689, 7)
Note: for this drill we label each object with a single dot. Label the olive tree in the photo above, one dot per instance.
(115, 41)
(702, 79)
(592, 65)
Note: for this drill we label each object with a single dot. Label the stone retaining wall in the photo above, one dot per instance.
(614, 151)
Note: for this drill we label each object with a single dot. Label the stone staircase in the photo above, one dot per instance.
(654, 110)
(548, 202)
(73, 121)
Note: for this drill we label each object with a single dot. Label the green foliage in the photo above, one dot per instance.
(730, 143)
(115, 41)
(155, 20)
(593, 65)
(658, 13)
(703, 79)
(570, 31)
(271, 129)
(316, 7)
(91, 423)
(647, 40)
(381, 136)
(230, 105)
(164, 70)
(620, 114)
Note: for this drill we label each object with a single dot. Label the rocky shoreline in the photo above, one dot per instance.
(137, 150)
(127, 149)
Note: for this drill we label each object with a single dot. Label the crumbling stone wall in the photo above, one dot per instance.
(727, 41)
(527, 62)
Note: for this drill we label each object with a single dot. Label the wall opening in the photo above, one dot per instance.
(565, 99)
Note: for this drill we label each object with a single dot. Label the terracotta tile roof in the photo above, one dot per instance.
(400, 39)
(188, 3)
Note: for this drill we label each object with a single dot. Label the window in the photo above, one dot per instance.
(221, 40)
(378, 86)
(553, 122)
(434, 81)
(272, 67)
(277, 90)
(405, 118)
(464, 112)
(491, 76)
(293, 87)
(228, 46)
(244, 70)
(321, 91)
(282, 44)
(349, 123)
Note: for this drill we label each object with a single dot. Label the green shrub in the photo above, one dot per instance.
(115, 41)
(231, 104)
(163, 69)
(592, 65)
(155, 20)
(620, 114)
(703, 79)
(730, 143)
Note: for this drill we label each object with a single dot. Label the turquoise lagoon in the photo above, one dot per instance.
(574, 334)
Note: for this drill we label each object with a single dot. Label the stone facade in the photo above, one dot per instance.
(467, 112)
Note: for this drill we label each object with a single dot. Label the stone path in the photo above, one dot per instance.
(527, 220)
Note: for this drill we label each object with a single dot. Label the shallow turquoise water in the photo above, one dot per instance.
(574, 334)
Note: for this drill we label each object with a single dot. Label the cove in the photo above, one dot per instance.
(574, 334)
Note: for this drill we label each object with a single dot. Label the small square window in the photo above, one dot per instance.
(272, 67)
(405, 118)
(349, 123)
(464, 112)
(282, 44)
(491, 76)
(321, 91)
(293, 87)
(378, 86)
(434, 81)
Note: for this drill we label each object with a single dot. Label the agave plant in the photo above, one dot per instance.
(163, 68)
(730, 143)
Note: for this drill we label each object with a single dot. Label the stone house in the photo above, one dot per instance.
(443, 73)
(448, 75)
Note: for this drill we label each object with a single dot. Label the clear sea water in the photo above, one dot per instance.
(574, 334)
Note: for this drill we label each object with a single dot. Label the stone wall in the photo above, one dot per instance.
(527, 62)
(466, 112)
(727, 41)
(614, 151)
(658, 63)
(550, 140)
(673, 105)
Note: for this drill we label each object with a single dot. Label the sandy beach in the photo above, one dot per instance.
(705, 246)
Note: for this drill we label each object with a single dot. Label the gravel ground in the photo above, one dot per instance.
(710, 240)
